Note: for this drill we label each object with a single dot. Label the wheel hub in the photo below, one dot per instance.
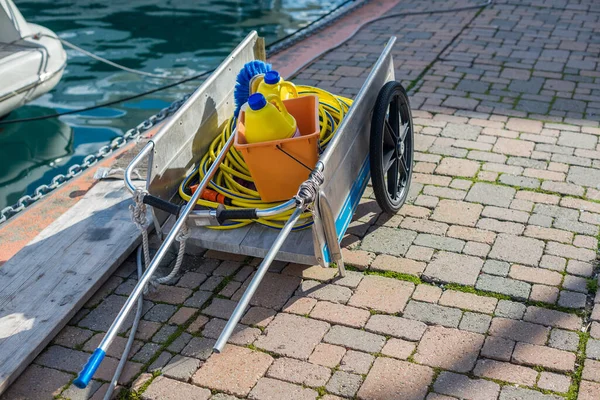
(400, 149)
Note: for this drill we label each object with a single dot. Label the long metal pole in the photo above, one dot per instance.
(260, 273)
(94, 362)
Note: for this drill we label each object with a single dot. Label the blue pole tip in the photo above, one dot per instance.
(89, 369)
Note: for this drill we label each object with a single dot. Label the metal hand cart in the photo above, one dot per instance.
(375, 139)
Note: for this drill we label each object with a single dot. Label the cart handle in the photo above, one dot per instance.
(89, 369)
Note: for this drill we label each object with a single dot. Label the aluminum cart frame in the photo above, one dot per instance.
(332, 192)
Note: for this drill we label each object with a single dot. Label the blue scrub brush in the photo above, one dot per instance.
(241, 91)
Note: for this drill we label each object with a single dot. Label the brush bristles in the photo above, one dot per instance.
(241, 91)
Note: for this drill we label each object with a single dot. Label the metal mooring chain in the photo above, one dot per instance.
(88, 161)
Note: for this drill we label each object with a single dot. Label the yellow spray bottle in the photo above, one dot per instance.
(272, 83)
(267, 119)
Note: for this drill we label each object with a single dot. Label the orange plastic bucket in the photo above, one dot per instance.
(276, 174)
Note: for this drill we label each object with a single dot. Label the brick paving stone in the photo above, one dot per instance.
(475, 322)
(351, 280)
(393, 379)
(160, 313)
(505, 372)
(242, 335)
(323, 291)
(591, 370)
(449, 348)
(199, 347)
(588, 391)
(535, 275)
(592, 349)
(292, 336)
(512, 393)
(451, 267)
(101, 317)
(419, 253)
(567, 251)
(258, 316)
(327, 355)
(273, 292)
(545, 294)
(500, 226)
(584, 176)
(547, 357)
(356, 362)
(517, 249)
(221, 371)
(382, 294)
(423, 225)
(37, 383)
(299, 305)
(427, 293)
(513, 147)
(465, 388)
(439, 242)
(385, 262)
(223, 396)
(198, 323)
(457, 167)
(181, 368)
(457, 212)
(476, 249)
(169, 294)
(198, 299)
(554, 382)
(498, 348)
(146, 352)
(524, 125)
(495, 267)
(511, 287)
(71, 336)
(433, 314)
(163, 388)
(461, 131)
(344, 384)
(543, 233)
(398, 348)
(220, 308)
(553, 262)
(74, 393)
(468, 301)
(182, 315)
(510, 309)
(396, 326)
(570, 299)
(314, 272)
(519, 330)
(488, 194)
(385, 240)
(179, 344)
(471, 234)
(299, 372)
(267, 389)
(211, 283)
(340, 314)
(354, 339)
(191, 280)
(575, 284)
(505, 215)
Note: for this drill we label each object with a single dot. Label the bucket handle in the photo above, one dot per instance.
(290, 88)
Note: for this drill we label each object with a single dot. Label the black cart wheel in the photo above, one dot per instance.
(391, 147)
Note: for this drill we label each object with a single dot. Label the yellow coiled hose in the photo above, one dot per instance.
(332, 110)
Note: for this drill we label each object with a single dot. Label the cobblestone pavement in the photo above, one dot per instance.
(481, 287)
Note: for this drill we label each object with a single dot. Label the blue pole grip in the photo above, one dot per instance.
(89, 369)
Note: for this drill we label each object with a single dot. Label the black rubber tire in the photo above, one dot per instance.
(397, 156)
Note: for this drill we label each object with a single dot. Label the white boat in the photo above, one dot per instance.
(32, 59)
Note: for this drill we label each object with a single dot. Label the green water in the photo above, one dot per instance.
(159, 36)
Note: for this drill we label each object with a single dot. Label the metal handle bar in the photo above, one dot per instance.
(94, 361)
(258, 276)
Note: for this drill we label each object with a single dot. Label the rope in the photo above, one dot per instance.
(182, 236)
(106, 61)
